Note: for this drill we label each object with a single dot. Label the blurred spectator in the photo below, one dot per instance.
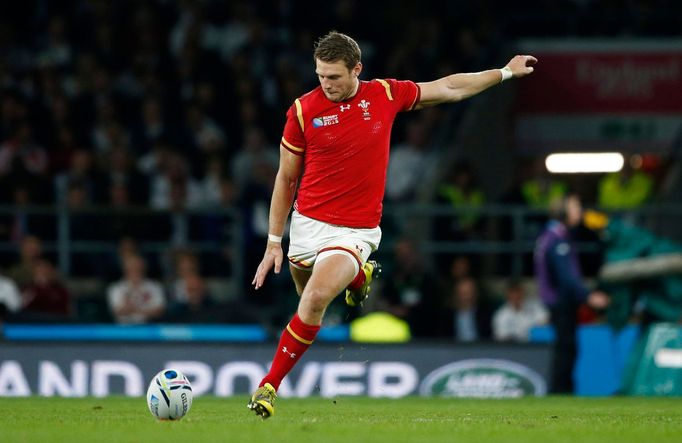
(135, 299)
(452, 271)
(55, 50)
(197, 306)
(627, 189)
(561, 286)
(174, 187)
(204, 136)
(113, 264)
(46, 294)
(467, 317)
(31, 252)
(156, 160)
(22, 160)
(410, 288)
(80, 171)
(180, 221)
(535, 189)
(62, 148)
(152, 126)
(12, 109)
(10, 297)
(407, 163)
(459, 267)
(84, 225)
(24, 219)
(212, 182)
(121, 221)
(108, 132)
(21, 157)
(461, 192)
(218, 228)
(541, 188)
(513, 320)
(120, 171)
(127, 247)
(186, 264)
(254, 151)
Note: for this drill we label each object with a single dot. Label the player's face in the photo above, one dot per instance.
(338, 82)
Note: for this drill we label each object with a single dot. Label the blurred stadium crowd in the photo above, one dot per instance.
(107, 107)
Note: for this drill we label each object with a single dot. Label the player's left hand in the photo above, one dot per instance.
(522, 65)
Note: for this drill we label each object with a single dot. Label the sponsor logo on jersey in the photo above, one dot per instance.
(326, 120)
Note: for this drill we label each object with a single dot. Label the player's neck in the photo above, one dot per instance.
(354, 91)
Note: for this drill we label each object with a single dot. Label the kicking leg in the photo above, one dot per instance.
(329, 277)
(358, 289)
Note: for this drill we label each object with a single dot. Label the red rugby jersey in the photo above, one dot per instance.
(345, 150)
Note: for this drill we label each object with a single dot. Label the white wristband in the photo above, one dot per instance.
(274, 238)
(506, 73)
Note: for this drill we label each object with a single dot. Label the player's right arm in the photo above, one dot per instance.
(458, 87)
(288, 174)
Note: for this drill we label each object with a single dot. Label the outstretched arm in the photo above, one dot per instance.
(290, 169)
(457, 87)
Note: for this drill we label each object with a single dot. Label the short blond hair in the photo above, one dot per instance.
(336, 46)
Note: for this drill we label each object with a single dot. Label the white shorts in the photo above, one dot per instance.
(312, 241)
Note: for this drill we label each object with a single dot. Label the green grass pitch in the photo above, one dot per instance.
(348, 420)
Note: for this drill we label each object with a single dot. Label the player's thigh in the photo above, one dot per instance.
(357, 243)
(300, 277)
(329, 277)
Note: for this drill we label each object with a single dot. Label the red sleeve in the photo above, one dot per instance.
(292, 139)
(405, 93)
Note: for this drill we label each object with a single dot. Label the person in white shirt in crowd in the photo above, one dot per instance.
(407, 163)
(10, 297)
(173, 176)
(135, 298)
(513, 320)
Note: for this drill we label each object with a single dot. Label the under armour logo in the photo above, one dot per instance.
(286, 351)
(344, 108)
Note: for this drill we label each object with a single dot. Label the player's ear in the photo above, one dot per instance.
(357, 69)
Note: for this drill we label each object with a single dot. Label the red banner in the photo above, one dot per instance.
(621, 81)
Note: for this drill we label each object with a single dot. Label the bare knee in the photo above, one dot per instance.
(316, 298)
(314, 302)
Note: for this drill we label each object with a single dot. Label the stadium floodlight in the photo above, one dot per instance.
(587, 162)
